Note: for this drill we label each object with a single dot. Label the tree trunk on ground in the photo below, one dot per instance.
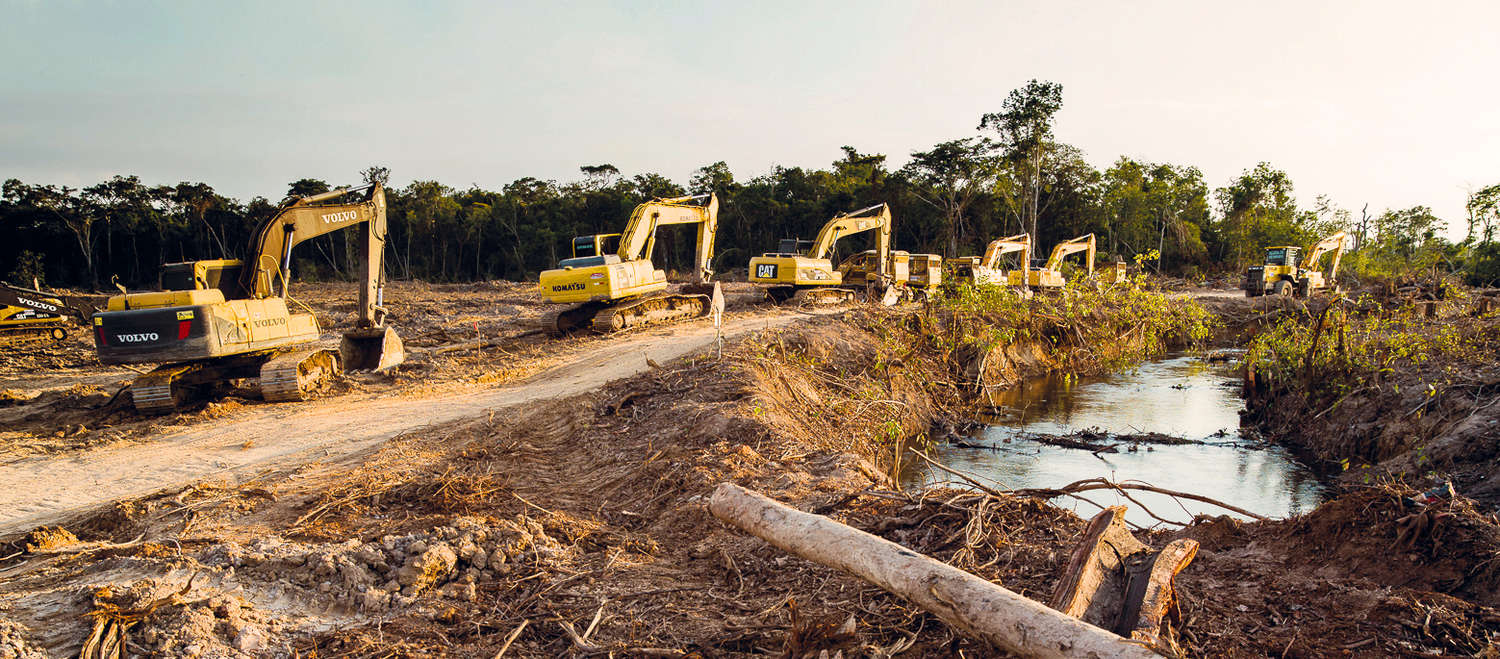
(978, 608)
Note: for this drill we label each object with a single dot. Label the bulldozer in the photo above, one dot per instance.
(985, 270)
(1281, 275)
(1050, 275)
(27, 314)
(617, 291)
(803, 271)
(224, 319)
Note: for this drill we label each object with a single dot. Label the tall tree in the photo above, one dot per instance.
(1023, 129)
(949, 177)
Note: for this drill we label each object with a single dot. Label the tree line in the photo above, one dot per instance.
(1009, 175)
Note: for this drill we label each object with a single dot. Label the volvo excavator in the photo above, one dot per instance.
(1050, 275)
(224, 319)
(613, 292)
(1280, 275)
(985, 270)
(27, 314)
(810, 276)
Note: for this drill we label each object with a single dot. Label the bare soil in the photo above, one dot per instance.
(559, 510)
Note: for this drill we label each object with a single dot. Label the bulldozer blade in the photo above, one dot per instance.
(375, 349)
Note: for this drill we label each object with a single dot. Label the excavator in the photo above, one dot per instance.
(27, 314)
(1050, 275)
(985, 270)
(1280, 275)
(790, 273)
(613, 292)
(224, 319)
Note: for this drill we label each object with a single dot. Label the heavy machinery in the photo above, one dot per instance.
(924, 273)
(985, 270)
(27, 314)
(1050, 275)
(224, 319)
(612, 292)
(809, 276)
(1280, 275)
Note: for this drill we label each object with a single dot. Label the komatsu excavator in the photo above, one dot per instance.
(1050, 275)
(27, 314)
(1280, 275)
(226, 319)
(810, 276)
(617, 291)
(985, 270)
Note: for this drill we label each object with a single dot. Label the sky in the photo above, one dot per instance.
(1381, 103)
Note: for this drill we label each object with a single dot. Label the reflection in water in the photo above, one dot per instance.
(1179, 396)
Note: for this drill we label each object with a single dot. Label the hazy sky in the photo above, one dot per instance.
(1388, 103)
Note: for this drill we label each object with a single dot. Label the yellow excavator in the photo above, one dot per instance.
(810, 276)
(27, 314)
(613, 292)
(985, 270)
(223, 319)
(1280, 275)
(1050, 275)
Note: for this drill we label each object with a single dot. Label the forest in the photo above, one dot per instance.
(1008, 175)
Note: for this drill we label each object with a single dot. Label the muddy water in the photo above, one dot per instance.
(1181, 396)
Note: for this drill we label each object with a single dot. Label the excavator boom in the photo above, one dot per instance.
(1020, 242)
(639, 238)
(1334, 243)
(847, 224)
(1074, 246)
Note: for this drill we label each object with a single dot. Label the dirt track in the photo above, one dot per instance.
(49, 489)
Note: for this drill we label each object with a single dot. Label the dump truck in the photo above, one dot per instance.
(222, 319)
(610, 292)
(1282, 275)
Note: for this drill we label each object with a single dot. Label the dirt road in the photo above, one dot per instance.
(49, 489)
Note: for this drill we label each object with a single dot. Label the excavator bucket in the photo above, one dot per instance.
(374, 349)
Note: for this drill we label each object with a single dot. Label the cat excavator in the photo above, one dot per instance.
(1280, 274)
(224, 319)
(1050, 275)
(985, 270)
(613, 292)
(26, 314)
(810, 276)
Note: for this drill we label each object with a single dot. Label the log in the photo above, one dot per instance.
(971, 605)
(1118, 583)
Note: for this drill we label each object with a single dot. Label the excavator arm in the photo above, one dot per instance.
(1334, 243)
(876, 217)
(1063, 249)
(999, 248)
(639, 237)
(269, 256)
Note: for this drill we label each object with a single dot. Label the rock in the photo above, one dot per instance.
(250, 639)
(433, 566)
(417, 547)
(375, 598)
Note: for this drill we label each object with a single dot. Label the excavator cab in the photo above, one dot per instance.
(598, 244)
(1282, 255)
(222, 274)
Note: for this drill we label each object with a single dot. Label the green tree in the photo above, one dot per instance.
(1023, 130)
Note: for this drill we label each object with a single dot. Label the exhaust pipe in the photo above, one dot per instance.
(373, 349)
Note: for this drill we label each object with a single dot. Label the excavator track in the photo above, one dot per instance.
(658, 310)
(164, 388)
(24, 335)
(299, 375)
(561, 323)
(822, 296)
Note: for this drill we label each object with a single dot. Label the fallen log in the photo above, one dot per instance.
(978, 608)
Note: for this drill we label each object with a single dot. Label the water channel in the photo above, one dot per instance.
(1183, 396)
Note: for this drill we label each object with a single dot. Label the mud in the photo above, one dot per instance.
(574, 524)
